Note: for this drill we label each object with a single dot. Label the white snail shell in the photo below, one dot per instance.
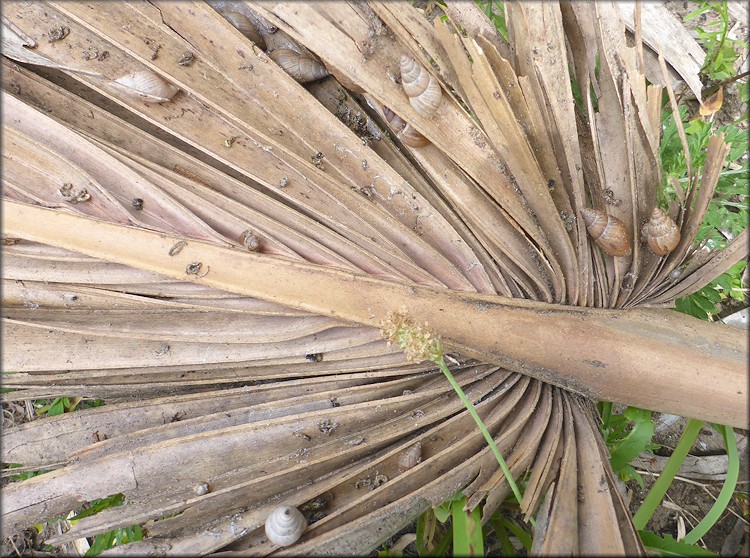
(245, 26)
(662, 233)
(201, 488)
(610, 234)
(285, 526)
(301, 67)
(405, 132)
(410, 457)
(146, 86)
(421, 87)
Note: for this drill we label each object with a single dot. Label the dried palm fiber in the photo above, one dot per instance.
(262, 375)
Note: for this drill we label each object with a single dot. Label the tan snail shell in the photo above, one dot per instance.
(421, 87)
(301, 67)
(285, 526)
(405, 132)
(662, 233)
(245, 26)
(146, 86)
(609, 233)
(410, 457)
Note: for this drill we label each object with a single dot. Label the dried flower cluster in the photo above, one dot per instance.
(415, 339)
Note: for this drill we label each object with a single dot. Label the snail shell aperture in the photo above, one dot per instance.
(662, 233)
(146, 86)
(609, 233)
(421, 87)
(301, 67)
(405, 132)
(245, 26)
(285, 526)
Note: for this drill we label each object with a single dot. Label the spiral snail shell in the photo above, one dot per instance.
(609, 233)
(245, 26)
(421, 87)
(405, 132)
(301, 67)
(146, 86)
(662, 233)
(285, 526)
(250, 240)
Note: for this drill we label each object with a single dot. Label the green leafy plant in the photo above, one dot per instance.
(727, 214)
(60, 405)
(721, 49)
(626, 435)
(110, 539)
(495, 12)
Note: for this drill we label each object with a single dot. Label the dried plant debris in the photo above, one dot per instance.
(73, 195)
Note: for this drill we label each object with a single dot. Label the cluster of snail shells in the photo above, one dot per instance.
(609, 233)
(146, 86)
(285, 526)
(662, 234)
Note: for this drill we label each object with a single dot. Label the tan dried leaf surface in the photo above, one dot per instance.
(217, 266)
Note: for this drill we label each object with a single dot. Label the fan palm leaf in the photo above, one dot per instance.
(218, 267)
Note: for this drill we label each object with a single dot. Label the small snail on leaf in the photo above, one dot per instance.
(145, 86)
(609, 233)
(421, 87)
(410, 457)
(285, 526)
(301, 67)
(662, 233)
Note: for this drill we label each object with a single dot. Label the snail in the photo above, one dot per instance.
(301, 67)
(662, 233)
(146, 86)
(244, 25)
(405, 132)
(421, 87)
(285, 526)
(250, 240)
(609, 233)
(410, 457)
(201, 488)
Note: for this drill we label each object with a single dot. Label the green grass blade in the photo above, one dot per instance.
(506, 547)
(482, 428)
(468, 539)
(725, 496)
(659, 489)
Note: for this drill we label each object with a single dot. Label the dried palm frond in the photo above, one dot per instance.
(212, 249)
